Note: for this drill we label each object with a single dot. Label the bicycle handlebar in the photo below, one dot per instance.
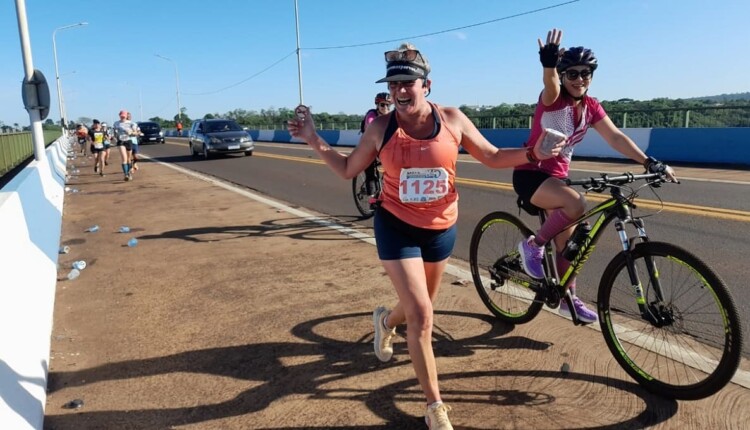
(605, 181)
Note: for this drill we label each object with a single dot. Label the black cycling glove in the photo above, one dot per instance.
(549, 55)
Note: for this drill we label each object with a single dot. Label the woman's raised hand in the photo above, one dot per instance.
(302, 126)
(549, 53)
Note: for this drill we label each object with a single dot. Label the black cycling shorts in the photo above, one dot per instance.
(526, 182)
(126, 143)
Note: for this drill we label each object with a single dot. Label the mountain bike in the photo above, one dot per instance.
(365, 194)
(666, 316)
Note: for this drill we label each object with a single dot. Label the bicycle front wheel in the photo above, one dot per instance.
(684, 341)
(496, 268)
(361, 197)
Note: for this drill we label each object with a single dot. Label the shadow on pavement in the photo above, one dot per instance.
(323, 362)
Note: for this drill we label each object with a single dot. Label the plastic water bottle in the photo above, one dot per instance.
(124, 229)
(93, 229)
(132, 242)
(73, 274)
(64, 249)
(79, 265)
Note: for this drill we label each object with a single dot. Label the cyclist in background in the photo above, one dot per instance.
(415, 225)
(382, 107)
(564, 105)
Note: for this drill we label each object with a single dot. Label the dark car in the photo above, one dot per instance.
(214, 136)
(150, 132)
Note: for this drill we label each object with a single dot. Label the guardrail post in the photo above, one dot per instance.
(687, 118)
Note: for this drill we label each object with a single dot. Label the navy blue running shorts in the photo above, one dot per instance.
(397, 240)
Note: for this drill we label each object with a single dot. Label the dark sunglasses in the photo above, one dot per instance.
(574, 74)
(383, 105)
(407, 55)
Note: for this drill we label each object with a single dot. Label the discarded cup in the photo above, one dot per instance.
(73, 274)
(124, 229)
(64, 249)
(132, 242)
(74, 404)
(80, 265)
(93, 229)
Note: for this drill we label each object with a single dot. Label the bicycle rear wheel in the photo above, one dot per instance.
(688, 345)
(496, 268)
(361, 197)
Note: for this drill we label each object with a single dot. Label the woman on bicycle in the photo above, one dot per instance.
(382, 107)
(415, 224)
(564, 105)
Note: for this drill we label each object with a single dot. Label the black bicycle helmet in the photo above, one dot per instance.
(577, 56)
(383, 97)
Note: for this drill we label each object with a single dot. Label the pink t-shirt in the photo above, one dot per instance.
(370, 117)
(560, 116)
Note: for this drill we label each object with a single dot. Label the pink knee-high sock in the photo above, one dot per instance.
(555, 223)
(562, 267)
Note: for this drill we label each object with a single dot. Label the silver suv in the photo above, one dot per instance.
(213, 136)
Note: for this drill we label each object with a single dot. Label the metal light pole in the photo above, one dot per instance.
(57, 74)
(299, 56)
(177, 80)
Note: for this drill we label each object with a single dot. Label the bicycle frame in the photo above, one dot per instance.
(617, 207)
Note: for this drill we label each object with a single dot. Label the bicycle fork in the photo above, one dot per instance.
(653, 312)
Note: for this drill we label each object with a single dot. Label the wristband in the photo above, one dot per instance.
(530, 155)
(649, 160)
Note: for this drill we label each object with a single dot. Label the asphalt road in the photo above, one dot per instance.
(708, 213)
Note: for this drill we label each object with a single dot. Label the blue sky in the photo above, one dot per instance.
(646, 49)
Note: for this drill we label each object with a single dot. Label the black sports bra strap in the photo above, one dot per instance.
(390, 130)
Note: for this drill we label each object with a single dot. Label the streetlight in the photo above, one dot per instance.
(177, 80)
(57, 74)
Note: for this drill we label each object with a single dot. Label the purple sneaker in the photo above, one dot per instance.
(584, 314)
(531, 258)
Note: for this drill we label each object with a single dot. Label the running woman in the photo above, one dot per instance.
(97, 136)
(124, 130)
(415, 225)
(133, 153)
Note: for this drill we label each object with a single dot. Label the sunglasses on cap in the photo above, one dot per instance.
(383, 104)
(407, 55)
(585, 74)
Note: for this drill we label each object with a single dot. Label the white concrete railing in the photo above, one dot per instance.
(31, 208)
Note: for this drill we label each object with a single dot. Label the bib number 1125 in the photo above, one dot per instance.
(420, 185)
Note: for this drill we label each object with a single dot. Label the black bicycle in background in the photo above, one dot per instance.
(366, 192)
(666, 316)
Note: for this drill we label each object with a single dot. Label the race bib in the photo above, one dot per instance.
(421, 185)
(123, 137)
(98, 140)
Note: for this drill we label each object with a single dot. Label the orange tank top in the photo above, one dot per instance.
(419, 177)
